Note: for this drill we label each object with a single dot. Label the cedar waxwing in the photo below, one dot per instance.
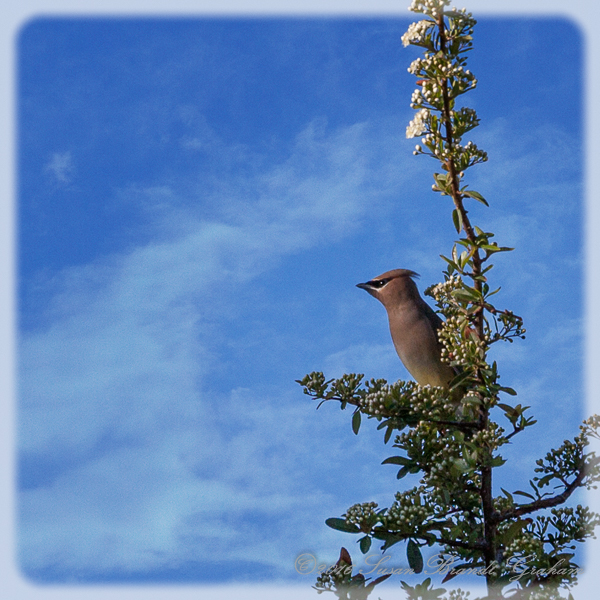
(413, 325)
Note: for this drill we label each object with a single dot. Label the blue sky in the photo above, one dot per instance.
(197, 199)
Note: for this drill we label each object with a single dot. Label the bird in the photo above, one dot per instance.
(414, 326)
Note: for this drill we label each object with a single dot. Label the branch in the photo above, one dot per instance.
(516, 429)
(542, 503)
(480, 545)
(468, 425)
(461, 425)
(457, 197)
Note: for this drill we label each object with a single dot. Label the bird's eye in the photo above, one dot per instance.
(379, 283)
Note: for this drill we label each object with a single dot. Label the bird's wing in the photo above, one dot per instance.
(433, 318)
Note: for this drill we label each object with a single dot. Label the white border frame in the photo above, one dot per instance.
(585, 13)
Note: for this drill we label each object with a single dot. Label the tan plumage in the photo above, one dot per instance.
(413, 325)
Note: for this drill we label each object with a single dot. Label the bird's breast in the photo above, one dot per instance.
(417, 345)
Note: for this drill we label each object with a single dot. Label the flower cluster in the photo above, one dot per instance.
(447, 467)
(589, 428)
(464, 156)
(441, 292)
(405, 397)
(389, 398)
(571, 524)
(460, 345)
(419, 125)
(325, 582)
(458, 33)
(458, 594)
(444, 460)
(523, 544)
(416, 32)
(334, 578)
(429, 7)
(425, 95)
(363, 515)
(492, 437)
(463, 120)
(435, 68)
(446, 35)
(560, 463)
(409, 511)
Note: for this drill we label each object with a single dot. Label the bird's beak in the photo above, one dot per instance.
(369, 289)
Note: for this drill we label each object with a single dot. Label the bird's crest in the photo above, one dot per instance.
(398, 273)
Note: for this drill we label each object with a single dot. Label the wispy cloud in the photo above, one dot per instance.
(369, 359)
(61, 167)
(130, 464)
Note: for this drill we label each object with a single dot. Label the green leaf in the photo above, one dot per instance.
(403, 472)
(454, 255)
(388, 434)
(520, 493)
(476, 195)
(342, 525)
(455, 571)
(376, 581)
(356, 422)
(451, 263)
(397, 460)
(389, 539)
(508, 390)
(414, 556)
(545, 480)
(457, 219)
(564, 556)
(466, 295)
(513, 530)
(364, 544)
(459, 379)
(441, 182)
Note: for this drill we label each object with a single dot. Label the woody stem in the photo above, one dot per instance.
(490, 526)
